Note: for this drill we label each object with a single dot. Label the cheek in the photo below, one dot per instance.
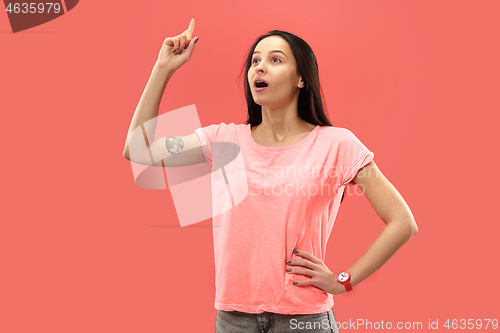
(286, 83)
(286, 79)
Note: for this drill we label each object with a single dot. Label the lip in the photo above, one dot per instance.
(259, 88)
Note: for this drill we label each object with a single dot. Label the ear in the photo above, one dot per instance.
(301, 83)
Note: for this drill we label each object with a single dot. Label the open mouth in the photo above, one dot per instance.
(260, 85)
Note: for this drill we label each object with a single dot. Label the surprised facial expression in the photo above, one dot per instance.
(274, 63)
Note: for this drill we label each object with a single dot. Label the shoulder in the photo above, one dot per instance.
(335, 130)
(222, 130)
(336, 134)
(228, 125)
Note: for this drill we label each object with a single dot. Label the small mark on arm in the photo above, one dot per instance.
(174, 145)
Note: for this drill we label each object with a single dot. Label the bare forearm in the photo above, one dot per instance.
(393, 237)
(149, 105)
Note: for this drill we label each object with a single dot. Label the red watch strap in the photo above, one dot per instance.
(347, 286)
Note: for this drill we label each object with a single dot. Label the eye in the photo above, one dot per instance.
(253, 60)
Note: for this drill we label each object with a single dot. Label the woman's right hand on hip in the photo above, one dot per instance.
(169, 57)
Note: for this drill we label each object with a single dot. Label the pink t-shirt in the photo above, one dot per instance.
(293, 197)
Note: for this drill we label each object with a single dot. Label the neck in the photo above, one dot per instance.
(282, 120)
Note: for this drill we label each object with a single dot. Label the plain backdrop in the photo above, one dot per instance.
(84, 249)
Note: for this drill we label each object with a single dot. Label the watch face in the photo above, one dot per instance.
(343, 277)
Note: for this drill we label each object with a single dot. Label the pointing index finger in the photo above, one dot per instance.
(190, 29)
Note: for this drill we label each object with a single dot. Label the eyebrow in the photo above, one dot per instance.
(273, 51)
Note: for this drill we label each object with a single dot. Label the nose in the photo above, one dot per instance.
(259, 71)
(259, 68)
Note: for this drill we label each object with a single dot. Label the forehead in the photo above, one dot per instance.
(273, 43)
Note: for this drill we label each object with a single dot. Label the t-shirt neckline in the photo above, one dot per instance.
(293, 146)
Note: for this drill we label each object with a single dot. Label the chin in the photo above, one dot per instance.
(256, 101)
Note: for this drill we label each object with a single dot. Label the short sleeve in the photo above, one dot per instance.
(208, 134)
(204, 141)
(355, 155)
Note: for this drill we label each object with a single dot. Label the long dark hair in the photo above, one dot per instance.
(310, 102)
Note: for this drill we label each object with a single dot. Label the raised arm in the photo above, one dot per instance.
(140, 144)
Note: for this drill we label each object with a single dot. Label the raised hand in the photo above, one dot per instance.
(177, 50)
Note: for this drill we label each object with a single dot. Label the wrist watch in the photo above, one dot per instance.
(344, 279)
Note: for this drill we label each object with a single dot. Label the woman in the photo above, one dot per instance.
(270, 247)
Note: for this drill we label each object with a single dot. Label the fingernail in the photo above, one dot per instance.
(185, 46)
(295, 251)
(288, 261)
(196, 39)
(288, 269)
(295, 282)
(174, 51)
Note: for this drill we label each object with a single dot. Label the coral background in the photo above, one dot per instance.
(84, 249)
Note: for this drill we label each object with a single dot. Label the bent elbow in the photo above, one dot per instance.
(414, 228)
